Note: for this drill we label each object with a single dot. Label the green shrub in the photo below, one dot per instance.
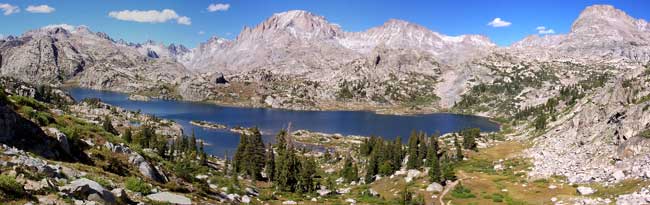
(137, 185)
(10, 188)
(26, 101)
(645, 133)
(462, 192)
(496, 197)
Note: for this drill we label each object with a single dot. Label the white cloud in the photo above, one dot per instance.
(544, 30)
(201, 32)
(150, 16)
(40, 9)
(218, 7)
(498, 22)
(64, 26)
(184, 20)
(9, 9)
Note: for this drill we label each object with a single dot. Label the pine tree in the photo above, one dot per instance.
(127, 136)
(348, 173)
(422, 148)
(202, 155)
(270, 163)
(540, 122)
(192, 145)
(447, 168)
(433, 160)
(289, 166)
(161, 147)
(469, 138)
(397, 154)
(413, 151)
(459, 149)
(240, 154)
(306, 176)
(256, 154)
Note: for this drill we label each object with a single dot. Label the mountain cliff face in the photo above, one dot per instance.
(601, 33)
(61, 54)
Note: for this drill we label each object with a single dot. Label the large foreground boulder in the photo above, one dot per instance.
(90, 190)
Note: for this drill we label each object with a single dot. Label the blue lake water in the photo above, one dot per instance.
(270, 121)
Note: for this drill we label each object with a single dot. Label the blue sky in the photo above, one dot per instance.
(190, 22)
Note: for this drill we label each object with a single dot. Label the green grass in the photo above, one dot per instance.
(462, 192)
(10, 188)
(136, 185)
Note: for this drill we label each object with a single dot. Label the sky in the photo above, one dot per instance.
(190, 22)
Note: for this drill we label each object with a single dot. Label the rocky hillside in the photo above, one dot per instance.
(63, 54)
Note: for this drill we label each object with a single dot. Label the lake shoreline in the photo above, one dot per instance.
(379, 110)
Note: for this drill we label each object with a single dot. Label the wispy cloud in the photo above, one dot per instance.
(8, 9)
(543, 30)
(201, 32)
(218, 7)
(498, 22)
(184, 20)
(45, 9)
(150, 16)
(64, 26)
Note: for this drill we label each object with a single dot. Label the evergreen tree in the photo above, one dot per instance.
(413, 151)
(306, 176)
(540, 122)
(469, 138)
(433, 160)
(256, 154)
(161, 147)
(422, 147)
(240, 154)
(108, 126)
(459, 149)
(127, 136)
(270, 163)
(192, 145)
(288, 167)
(348, 173)
(447, 168)
(397, 154)
(203, 157)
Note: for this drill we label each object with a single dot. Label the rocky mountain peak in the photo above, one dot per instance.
(605, 19)
(296, 23)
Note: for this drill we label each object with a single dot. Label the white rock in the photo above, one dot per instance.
(585, 190)
(289, 203)
(245, 199)
(553, 199)
(619, 175)
(552, 186)
(170, 198)
(352, 201)
(434, 187)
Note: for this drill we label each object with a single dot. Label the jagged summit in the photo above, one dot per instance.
(606, 19)
(297, 23)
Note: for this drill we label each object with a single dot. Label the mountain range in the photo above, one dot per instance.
(593, 81)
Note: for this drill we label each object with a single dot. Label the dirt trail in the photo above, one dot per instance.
(449, 187)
